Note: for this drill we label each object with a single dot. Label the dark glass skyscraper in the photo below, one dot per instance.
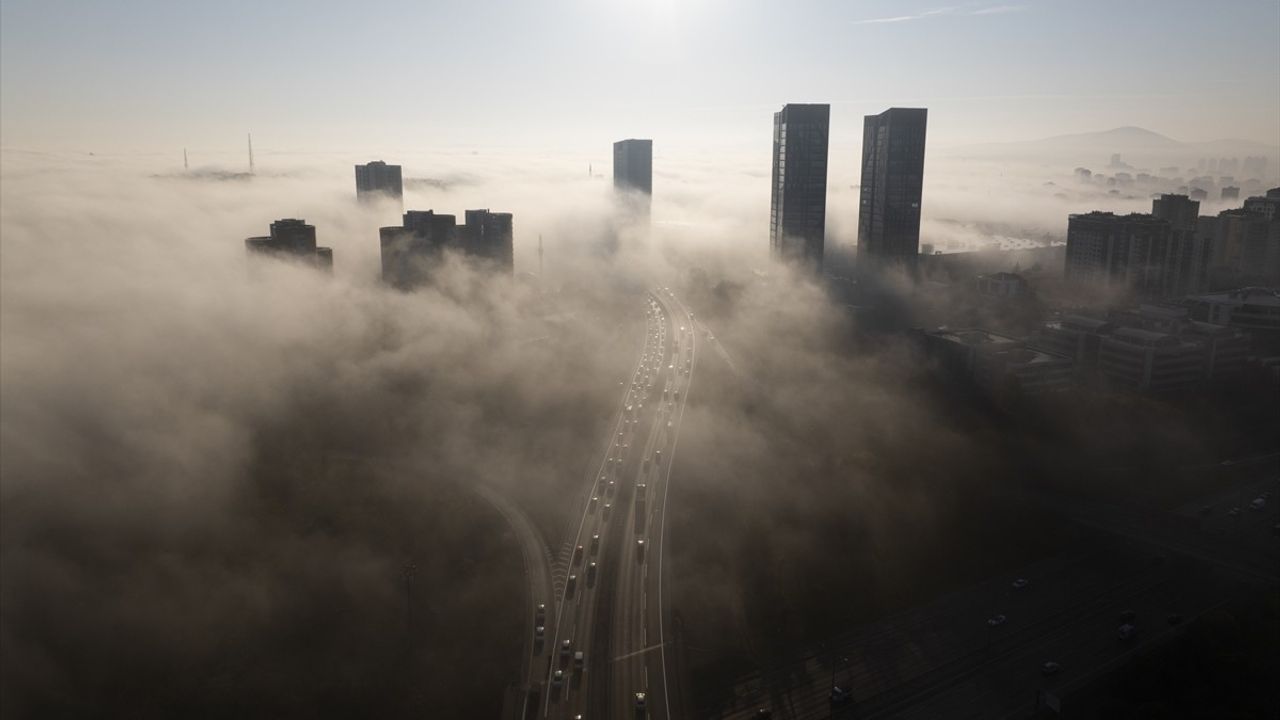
(379, 179)
(633, 166)
(633, 176)
(892, 176)
(798, 211)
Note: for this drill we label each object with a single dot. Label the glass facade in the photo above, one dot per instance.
(893, 145)
(798, 208)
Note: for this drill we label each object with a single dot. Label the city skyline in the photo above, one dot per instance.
(906, 359)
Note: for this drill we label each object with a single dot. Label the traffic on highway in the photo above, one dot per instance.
(600, 645)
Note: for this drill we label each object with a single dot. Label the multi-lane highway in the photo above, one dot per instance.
(601, 645)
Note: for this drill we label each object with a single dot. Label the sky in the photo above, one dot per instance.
(151, 76)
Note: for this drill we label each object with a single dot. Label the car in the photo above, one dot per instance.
(1127, 631)
(540, 612)
(1021, 583)
(591, 573)
(579, 659)
(595, 544)
(1258, 504)
(668, 423)
(840, 696)
(557, 678)
(1128, 616)
(610, 488)
(640, 701)
(571, 584)
(577, 555)
(595, 503)
(640, 548)
(566, 647)
(540, 632)
(1050, 667)
(608, 507)
(996, 620)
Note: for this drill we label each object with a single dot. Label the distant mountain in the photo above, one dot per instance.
(1135, 143)
(1123, 137)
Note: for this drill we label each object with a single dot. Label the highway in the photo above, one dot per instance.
(603, 644)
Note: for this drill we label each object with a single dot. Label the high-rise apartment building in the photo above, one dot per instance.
(1187, 262)
(291, 239)
(411, 251)
(798, 211)
(890, 195)
(378, 179)
(1124, 253)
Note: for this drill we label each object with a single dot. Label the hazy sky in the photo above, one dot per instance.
(159, 75)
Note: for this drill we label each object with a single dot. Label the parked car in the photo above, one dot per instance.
(1050, 668)
(1021, 583)
(997, 621)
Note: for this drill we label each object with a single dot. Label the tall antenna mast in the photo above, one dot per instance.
(185, 166)
(539, 258)
(250, 153)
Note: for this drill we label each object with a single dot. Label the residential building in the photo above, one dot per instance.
(1126, 254)
(292, 239)
(1187, 259)
(1150, 361)
(379, 180)
(410, 252)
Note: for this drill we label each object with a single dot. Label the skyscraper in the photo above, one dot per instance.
(798, 207)
(378, 179)
(633, 174)
(291, 239)
(892, 178)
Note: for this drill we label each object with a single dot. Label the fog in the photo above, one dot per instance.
(214, 470)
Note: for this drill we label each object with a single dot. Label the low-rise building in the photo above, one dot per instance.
(1001, 365)
(1150, 361)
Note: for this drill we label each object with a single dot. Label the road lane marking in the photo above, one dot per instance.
(637, 652)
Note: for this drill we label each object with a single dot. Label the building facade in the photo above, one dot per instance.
(412, 251)
(1001, 366)
(1123, 253)
(379, 180)
(1187, 262)
(798, 205)
(633, 175)
(893, 145)
(291, 239)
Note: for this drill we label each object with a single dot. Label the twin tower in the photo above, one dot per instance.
(889, 196)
